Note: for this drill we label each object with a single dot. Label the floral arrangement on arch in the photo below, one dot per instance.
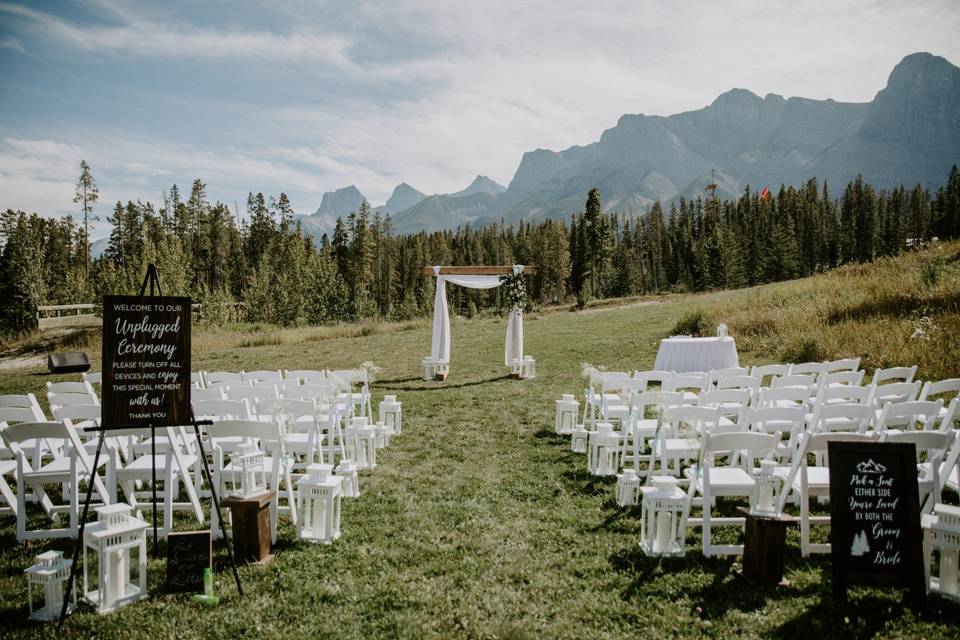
(514, 289)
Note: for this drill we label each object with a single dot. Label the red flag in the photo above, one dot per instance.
(765, 194)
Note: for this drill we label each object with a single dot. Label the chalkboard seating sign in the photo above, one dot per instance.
(188, 554)
(875, 535)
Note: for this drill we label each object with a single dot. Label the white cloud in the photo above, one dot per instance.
(145, 38)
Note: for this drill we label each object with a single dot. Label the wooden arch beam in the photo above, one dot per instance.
(479, 270)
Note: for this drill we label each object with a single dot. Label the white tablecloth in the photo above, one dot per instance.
(696, 354)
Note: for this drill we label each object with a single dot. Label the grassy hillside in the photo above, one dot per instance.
(479, 522)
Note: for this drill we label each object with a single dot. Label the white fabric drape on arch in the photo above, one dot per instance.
(440, 344)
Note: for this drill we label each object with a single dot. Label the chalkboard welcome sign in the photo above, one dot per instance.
(188, 554)
(146, 361)
(875, 516)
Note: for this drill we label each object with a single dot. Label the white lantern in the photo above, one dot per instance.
(381, 435)
(347, 469)
(528, 367)
(628, 488)
(442, 370)
(566, 414)
(48, 575)
(721, 330)
(361, 439)
(662, 526)
(391, 414)
(578, 439)
(250, 463)
(318, 503)
(766, 491)
(429, 366)
(942, 532)
(114, 537)
(604, 450)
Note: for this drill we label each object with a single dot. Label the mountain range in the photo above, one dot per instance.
(908, 134)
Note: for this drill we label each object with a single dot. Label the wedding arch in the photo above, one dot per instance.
(437, 365)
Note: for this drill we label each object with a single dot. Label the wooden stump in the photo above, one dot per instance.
(251, 526)
(763, 549)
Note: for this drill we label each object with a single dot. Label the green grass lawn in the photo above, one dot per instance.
(479, 522)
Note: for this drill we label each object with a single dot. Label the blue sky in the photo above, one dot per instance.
(306, 97)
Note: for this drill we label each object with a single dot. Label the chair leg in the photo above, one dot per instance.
(805, 526)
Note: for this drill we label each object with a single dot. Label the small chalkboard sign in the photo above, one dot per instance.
(188, 554)
(146, 361)
(875, 533)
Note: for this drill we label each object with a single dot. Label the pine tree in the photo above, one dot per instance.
(86, 195)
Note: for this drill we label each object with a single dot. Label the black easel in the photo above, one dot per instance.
(154, 280)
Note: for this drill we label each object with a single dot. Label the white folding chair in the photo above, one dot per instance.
(773, 370)
(784, 423)
(68, 469)
(297, 420)
(690, 385)
(638, 427)
(804, 481)
(949, 389)
(894, 374)
(253, 394)
(847, 364)
(678, 438)
(845, 394)
(906, 415)
(793, 397)
(815, 369)
(267, 436)
(735, 479)
(932, 448)
(615, 397)
(24, 401)
(851, 378)
(732, 404)
(82, 387)
(653, 376)
(895, 392)
(717, 374)
(177, 463)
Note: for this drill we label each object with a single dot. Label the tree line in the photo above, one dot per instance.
(262, 267)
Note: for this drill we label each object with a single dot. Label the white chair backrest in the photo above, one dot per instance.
(788, 420)
(845, 393)
(221, 409)
(794, 380)
(207, 394)
(64, 399)
(894, 374)
(686, 381)
(260, 376)
(738, 382)
(734, 445)
(77, 412)
(15, 434)
(288, 407)
(832, 418)
(602, 379)
(284, 385)
(702, 419)
(653, 376)
(304, 375)
(71, 387)
(847, 364)
(853, 378)
(719, 397)
(253, 393)
(778, 396)
(949, 388)
(268, 433)
(324, 393)
(773, 370)
(815, 369)
(907, 413)
(19, 400)
(18, 414)
(625, 387)
(896, 392)
(216, 377)
(716, 374)
(196, 379)
(95, 377)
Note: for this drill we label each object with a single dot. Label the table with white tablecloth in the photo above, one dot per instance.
(696, 354)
